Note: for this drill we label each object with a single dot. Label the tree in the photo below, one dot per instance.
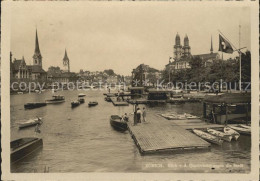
(109, 72)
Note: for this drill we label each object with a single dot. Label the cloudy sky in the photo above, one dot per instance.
(99, 35)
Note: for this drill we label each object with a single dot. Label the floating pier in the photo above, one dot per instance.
(160, 135)
(118, 103)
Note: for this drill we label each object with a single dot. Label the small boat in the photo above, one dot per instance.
(108, 99)
(81, 95)
(19, 92)
(235, 135)
(22, 147)
(93, 103)
(81, 100)
(223, 136)
(190, 116)
(208, 137)
(117, 123)
(245, 126)
(56, 99)
(34, 105)
(173, 116)
(75, 104)
(30, 122)
(241, 130)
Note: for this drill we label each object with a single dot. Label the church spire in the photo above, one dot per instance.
(211, 49)
(37, 57)
(37, 48)
(66, 61)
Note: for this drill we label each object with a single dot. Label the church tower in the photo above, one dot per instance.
(186, 47)
(177, 48)
(37, 57)
(66, 61)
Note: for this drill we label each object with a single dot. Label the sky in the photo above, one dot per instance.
(120, 36)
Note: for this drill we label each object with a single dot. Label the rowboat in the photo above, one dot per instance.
(22, 147)
(81, 95)
(219, 134)
(93, 103)
(245, 126)
(56, 99)
(81, 100)
(34, 105)
(30, 122)
(75, 104)
(241, 130)
(190, 116)
(235, 135)
(208, 137)
(173, 117)
(117, 123)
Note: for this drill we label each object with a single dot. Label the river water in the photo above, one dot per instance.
(82, 140)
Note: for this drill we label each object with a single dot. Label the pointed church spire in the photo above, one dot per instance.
(211, 49)
(66, 61)
(37, 48)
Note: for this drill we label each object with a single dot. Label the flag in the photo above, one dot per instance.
(224, 45)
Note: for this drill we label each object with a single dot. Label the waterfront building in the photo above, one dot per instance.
(144, 75)
(182, 55)
(20, 71)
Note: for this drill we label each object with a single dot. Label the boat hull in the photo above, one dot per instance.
(33, 123)
(34, 105)
(243, 131)
(208, 137)
(221, 135)
(117, 124)
(23, 147)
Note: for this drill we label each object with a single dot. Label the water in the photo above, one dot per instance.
(82, 140)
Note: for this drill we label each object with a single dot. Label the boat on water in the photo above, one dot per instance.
(117, 123)
(208, 137)
(81, 100)
(222, 135)
(92, 103)
(241, 130)
(245, 126)
(81, 95)
(75, 104)
(108, 99)
(30, 122)
(19, 92)
(56, 99)
(34, 105)
(190, 116)
(22, 147)
(173, 116)
(235, 135)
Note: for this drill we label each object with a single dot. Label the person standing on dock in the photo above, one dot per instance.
(144, 115)
(139, 113)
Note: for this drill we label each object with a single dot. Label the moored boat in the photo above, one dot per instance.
(93, 103)
(108, 99)
(208, 137)
(30, 122)
(235, 135)
(56, 99)
(241, 130)
(81, 100)
(190, 116)
(117, 123)
(34, 105)
(223, 136)
(245, 126)
(75, 104)
(22, 147)
(81, 95)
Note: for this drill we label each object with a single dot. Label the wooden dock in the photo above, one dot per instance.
(118, 103)
(159, 135)
(145, 101)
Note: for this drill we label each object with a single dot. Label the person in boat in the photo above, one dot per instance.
(37, 129)
(125, 118)
(139, 114)
(144, 115)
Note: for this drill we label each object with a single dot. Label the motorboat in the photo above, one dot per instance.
(56, 99)
(34, 105)
(208, 137)
(235, 135)
(241, 130)
(30, 122)
(92, 103)
(117, 123)
(22, 147)
(222, 135)
(75, 104)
